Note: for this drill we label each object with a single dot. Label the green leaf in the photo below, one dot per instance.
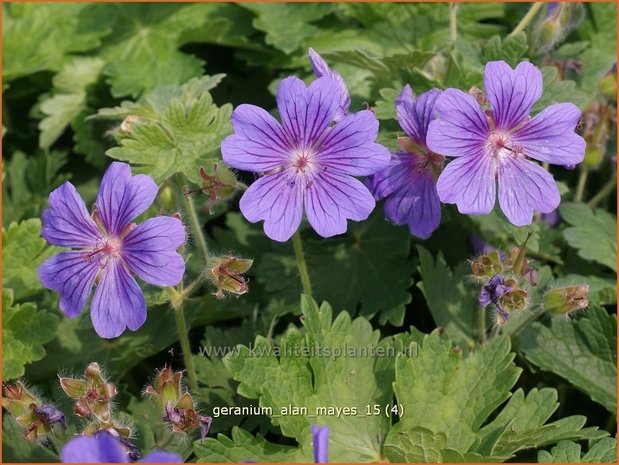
(511, 50)
(24, 331)
(179, 129)
(592, 233)
(405, 444)
(583, 351)
(452, 303)
(307, 377)
(557, 90)
(41, 37)
(603, 451)
(287, 25)
(69, 98)
(23, 251)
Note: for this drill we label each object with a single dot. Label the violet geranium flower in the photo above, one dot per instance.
(409, 183)
(500, 143)
(320, 441)
(107, 248)
(105, 448)
(308, 163)
(321, 68)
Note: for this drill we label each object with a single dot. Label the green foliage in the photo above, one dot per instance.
(24, 331)
(581, 351)
(592, 233)
(22, 252)
(451, 301)
(177, 130)
(511, 50)
(603, 451)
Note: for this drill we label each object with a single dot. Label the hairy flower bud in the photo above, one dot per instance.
(166, 387)
(219, 186)
(597, 125)
(566, 300)
(226, 274)
(561, 19)
(92, 394)
(487, 265)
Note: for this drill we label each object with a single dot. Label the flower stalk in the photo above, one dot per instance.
(298, 250)
(195, 224)
(183, 336)
(526, 20)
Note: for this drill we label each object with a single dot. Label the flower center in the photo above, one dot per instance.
(501, 147)
(304, 161)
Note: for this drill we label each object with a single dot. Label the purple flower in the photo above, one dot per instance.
(105, 448)
(50, 415)
(409, 181)
(321, 68)
(492, 292)
(107, 248)
(320, 440)
(500, 142)
(308, 163)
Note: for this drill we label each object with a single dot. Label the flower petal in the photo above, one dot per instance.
(550, 136)
(278, 200)
(511, 92)
(469, 182)
(307, 112)
(416, 204)
(118, 302)
(150, 251)
(332, 198)
(161, 456)
(461, 128)
(72, 275)
(123, 197)
(66, 222)
(259, 143)
(321, 68)
(415, 115)
(320, 442)
(394, 177)
(349, 146)
(525, 186)
(102, 448)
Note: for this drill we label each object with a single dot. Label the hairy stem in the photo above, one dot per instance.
(482, 325)
(453, 22)
(526, 20)
(183, 335)
(525, 321)
(195, 223)
(580, 188)
(298, 250)
(608, 189)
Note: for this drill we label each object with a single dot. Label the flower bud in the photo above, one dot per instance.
(561, 19)
(219, 186)
(166, 197)
(128, 122)
(487, 265)
(597, 122)
(226, 274)
(167, 387)
(566, 300)
(92, 394)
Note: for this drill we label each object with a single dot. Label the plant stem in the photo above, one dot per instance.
(195, 223)
(524, 22)
(183, 335)
(608, 188)
(580, 188)
(482, 324)
(526, 320)
(453, 22)
(298, 250)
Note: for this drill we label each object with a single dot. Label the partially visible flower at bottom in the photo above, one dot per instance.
(105, 448)
(409, 183)
(107, 249)
(320, 441)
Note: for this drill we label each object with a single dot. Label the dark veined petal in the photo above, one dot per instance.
(416, 203)
(161, 456)
(66, 222)
(320, 441)
(321, 68)
(349, 147)
(511, 92)
(461, 128)
(123, 197)
(307, 112)
(278, 200)
(259, 143)
(71, 274)
(118, 302)
(415, 115)
(332, 198)
(394, 177)
(150, 251)
(525, 187)
(470, 183)
(101, 448)
(550, 136)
